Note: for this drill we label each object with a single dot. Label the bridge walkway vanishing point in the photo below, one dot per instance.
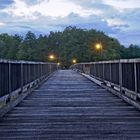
(70, 107)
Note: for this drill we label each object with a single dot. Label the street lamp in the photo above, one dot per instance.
(51, 57)
(58, 63)
(74, 61)
(99, 48)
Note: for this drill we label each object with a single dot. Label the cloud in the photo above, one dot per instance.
(33, 2)
(22, 9)
(53, 8)
(5, 3)
(123, 4)
(2, 24)
(23, 27)
(114, 17)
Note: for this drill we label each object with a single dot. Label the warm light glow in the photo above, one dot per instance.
(74, 61)
(51, 57)
(98, 46)
(58, 63)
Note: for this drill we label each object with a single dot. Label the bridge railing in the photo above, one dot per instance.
(123, 75)
(18, 76)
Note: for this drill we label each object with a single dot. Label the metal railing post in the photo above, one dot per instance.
(103, 72)
(9, 74)
(40, 70)
(110, 76)
(49, 68)
(135, 77)
(120, 76)
(9, 82)
(21, 77)
(29, 70)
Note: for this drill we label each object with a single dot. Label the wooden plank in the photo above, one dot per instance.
(70, 107)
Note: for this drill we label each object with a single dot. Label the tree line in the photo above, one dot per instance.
(72, 43)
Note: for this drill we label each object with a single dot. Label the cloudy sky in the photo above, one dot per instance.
(117, 18)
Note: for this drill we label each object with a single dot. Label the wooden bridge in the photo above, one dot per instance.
(67, 106)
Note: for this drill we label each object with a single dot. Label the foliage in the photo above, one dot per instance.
(72, 43)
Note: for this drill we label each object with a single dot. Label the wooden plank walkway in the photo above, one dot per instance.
(70, 107)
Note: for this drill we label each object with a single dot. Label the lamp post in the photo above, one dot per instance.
(74, 61)
(51, 57)
(99, 48)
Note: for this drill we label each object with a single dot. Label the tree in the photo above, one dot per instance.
(72, 43)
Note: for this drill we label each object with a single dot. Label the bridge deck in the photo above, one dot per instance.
(70, 107)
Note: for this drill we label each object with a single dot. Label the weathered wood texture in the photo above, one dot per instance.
(70, 107)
